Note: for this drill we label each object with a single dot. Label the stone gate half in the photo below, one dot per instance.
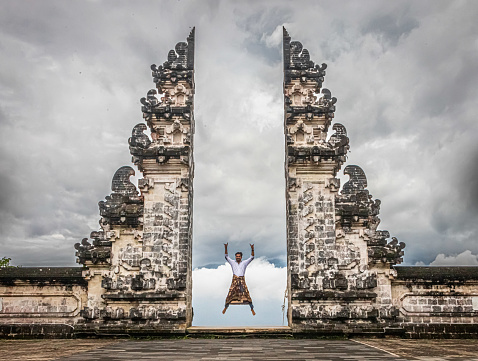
(138, 266)
(341, 274)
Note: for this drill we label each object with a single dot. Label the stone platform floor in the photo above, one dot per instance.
(239, 349)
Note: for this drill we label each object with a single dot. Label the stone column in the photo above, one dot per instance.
(139, 267)
(332, 268)
(168, 168)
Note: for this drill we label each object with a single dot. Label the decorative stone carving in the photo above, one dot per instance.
(297, 64)
(355, 207)
(176, 134)
(178, 67)
(151, 102)
(124, 207)
(169, 118)
(357, 182)
(339, 138)
(138, 138)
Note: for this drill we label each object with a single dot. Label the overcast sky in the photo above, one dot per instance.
(405, 74)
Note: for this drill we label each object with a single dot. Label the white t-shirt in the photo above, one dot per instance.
(239, 269)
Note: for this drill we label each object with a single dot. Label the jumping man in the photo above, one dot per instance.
(238, 292)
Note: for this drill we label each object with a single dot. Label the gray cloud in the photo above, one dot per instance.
(72, 74)
(391, 26)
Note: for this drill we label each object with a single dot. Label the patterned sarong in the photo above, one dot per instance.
(238, 292)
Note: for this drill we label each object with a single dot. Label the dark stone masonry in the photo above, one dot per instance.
(343, 271)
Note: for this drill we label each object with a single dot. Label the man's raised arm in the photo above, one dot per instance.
(249, 260)
(225, 253)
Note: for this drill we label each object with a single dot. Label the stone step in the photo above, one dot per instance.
(239, 330)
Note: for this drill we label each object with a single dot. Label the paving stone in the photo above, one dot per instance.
(236, 349)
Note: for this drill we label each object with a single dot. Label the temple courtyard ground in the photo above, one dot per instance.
(239, 349)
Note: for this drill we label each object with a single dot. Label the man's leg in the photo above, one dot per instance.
(252, 309)
(225, 308)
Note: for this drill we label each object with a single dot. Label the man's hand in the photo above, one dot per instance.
(252, 249)
(225, 248)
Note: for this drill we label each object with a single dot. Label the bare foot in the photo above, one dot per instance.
(253, 312)
(224, 310)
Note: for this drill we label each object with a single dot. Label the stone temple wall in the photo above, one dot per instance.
(136, 274)
(341, 268)
(436, 301)
(44, 301)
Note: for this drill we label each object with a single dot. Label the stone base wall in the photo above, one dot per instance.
(431, 302)
(436, 301)
(422, 302)
(41, 302)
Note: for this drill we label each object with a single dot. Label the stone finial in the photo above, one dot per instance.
(179, 66)
(303, 84)
(379, 250)
(357, 181)
(138, 138)
(182, 57)
(299, 57)
(354, 204)
(327, 100)
(339, 138)
(168, 110)
(121, 183)
(150, 102)
(297, 63)
(122, 207)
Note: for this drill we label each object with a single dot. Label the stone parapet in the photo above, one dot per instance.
(41, 301)
(437, 275)
(437, 301)
(48, 275)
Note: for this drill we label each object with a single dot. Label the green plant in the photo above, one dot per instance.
(5, 262)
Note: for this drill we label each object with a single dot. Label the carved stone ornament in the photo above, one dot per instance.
(123, 207)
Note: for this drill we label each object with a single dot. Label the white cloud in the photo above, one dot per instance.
(465, 258)
(266, 284)
(273, 40)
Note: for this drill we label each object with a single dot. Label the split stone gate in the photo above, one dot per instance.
(137, 269)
